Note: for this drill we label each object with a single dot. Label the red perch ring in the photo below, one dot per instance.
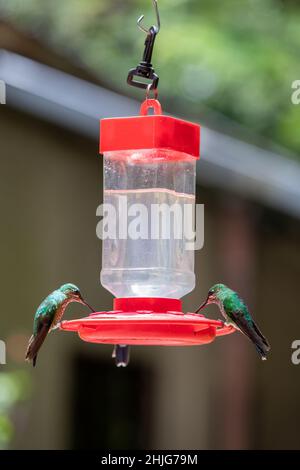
(147, 321)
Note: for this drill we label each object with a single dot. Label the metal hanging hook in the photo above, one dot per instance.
(145, 70)
(140, 19)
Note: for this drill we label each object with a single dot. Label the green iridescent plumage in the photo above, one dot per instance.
(237, 314)
(49, 314)
(48, 308)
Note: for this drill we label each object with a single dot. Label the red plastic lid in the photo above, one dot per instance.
(150, 132)
(153, 304)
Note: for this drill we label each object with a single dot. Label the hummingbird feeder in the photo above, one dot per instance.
(149, 162)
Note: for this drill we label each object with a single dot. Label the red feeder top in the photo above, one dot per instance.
(147, 321)
(150, 132)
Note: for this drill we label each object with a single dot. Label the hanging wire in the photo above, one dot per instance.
(140, 19)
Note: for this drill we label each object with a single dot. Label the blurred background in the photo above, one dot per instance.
(227, 65)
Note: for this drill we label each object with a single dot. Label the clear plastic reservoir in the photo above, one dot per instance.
(151, 196)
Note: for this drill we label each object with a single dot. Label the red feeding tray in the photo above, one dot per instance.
(147, 321)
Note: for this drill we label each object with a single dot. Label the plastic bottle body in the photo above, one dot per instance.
(150, 196)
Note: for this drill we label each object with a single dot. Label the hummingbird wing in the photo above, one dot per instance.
(43, 320)
(263, 338)
(246, 325)
(36, 342)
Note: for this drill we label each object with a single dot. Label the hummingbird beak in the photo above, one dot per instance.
(87, 305)
(206, 302)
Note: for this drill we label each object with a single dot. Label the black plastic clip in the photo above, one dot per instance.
(144, 69)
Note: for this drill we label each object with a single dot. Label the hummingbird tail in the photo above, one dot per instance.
(260, 342)
(251, 330)
(262, 350)
(35, 343)
(121, 355)
(266, 343)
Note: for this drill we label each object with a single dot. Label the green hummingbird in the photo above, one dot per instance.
(237, 314)
(49, 314)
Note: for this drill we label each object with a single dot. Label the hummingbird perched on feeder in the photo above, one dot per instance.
(237, 314)
(49, 314)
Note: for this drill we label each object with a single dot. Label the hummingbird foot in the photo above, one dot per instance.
(57, 326)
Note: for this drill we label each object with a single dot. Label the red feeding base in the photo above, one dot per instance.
(147, 321)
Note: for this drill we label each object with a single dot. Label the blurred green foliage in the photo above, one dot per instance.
(14, 388)
(232, 58)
